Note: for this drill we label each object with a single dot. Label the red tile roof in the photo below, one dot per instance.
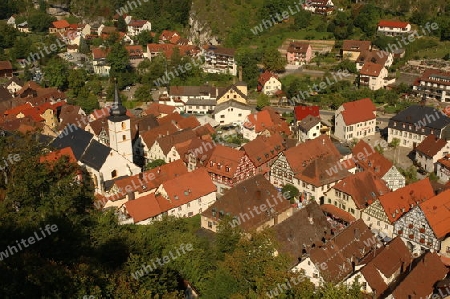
(155, 177)
(437, 212)
(421, 280)
(135, 50)
(188, 187)
(301, 112)
(190, 122)
(263, 149)
(371, 69)
(445, 162)
(265, 120)
(298, 47)
(100, 53)
(52, 157)
(16, 110)
(363, 187)
(158, 109)
(303, 154)
(400, 201)
(143, 208)
(392, 24)
(431, 145)
(167, 49)
(149, 137)
(438, 77)
(61, 24)
(224, 157)
(358, 111)
(137, 23)
(264, 77)
(170, 118)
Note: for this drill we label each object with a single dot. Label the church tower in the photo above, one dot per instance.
(119, 126)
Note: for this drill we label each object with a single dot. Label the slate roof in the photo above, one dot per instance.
(95, 155)
(75, 138)
(308, 123)
(417, 115)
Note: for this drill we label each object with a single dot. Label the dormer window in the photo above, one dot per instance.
(227, 169)
(211, 163)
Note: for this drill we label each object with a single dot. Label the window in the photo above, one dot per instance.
(368, 218)
(378, 223)
(124, 125)
(113, 173)
(179, 208)
(240, 114)
(222, 116)
(209, 224)
(124, 137)
(188, 204)
(329, 200)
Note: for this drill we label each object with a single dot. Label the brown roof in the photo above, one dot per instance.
(356, 45)
(5, 65)
(421, 280)
(337, 212)
(70, 115)
(306, 227)
(158, 109)
(167, 142)
(61, 24)
(370, 159)
(363, 187)
(435, 76)
(374, 56)
(190, 122)
(323, 171)
(149, 137)
(264, 120)
(445, 162)
(263, 149)
(264, 77)
(205, 130)
(146, 123)
(371, 69)
(219, 50)
(351, 245)
(298, 47)
(304, 153)
(170, 118)
(202, 149)
(393, 259)
(239, 200)
(308, 123)
(431, 145)
(98, 125)
(400, 201)
(224, 157)
(437, 212)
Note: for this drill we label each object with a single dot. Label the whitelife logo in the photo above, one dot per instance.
(31, 240)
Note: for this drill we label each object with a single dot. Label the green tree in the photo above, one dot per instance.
(56, 73)
(247, 59)
(154, 164)
(144, 38)
(291, 190)
(273, 61)
(76, 81)
(142, 93)
(302, 19)
(40, 21)
(262, 101)
(121, 24)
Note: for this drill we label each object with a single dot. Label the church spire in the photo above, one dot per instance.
(117, 108)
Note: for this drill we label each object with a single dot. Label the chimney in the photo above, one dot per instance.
(240, 73)
(159, 170)
(357, 234)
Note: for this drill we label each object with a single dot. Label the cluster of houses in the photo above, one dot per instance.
(354, 218)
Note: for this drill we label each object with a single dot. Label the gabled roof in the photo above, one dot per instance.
(5, 65)
(318, 171)
(188, 187)
(134, 50)
(234, 88)
(445, 162)
(371, 159)
(351, 245)
(170, 118)
(308, 123)
(303, 154)
(190, 122)
(167, 142)
(75, 138)
(137, 23)
(246, 195)
(95, 155)
(419, 115)
(262, 149)
(149, 137)
(158, 109)
(356, 45)
(395, 204)
(219, 50)
(437, 212)
(231, 103)
(421, 280)
(61, 24)
(392, 24)
(371, 69)
(224, 157)
(155, 177)
(373, 56)
(363, 187)
(100, 53)
(300, 112)
(306, 227)
(143, 208)
(358, 111)
(394, 258)
(264, 77)
(431, 145)
(298, 47)
(54, 156)
(435, 76)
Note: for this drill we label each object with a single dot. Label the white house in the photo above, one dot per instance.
(231, 112)
(99, 63)
(14, 85)
(199, 106)
(355, 120)
(430, 150)
(309, 128)
(12, 21)
(268, 83)
(393, 28)
(138, 26)
(374, 76)
(443, 169)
